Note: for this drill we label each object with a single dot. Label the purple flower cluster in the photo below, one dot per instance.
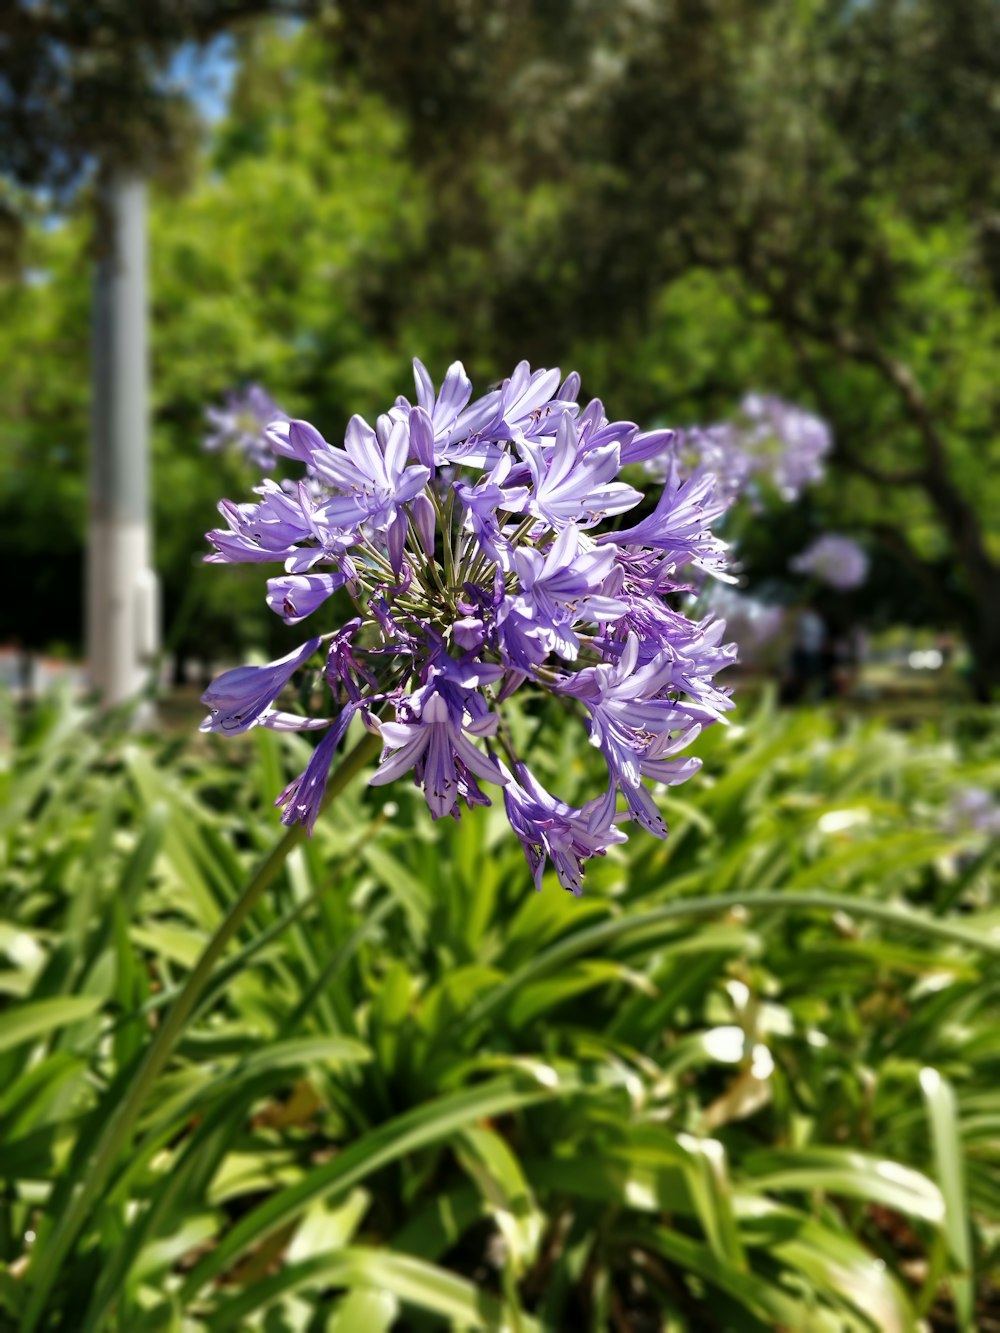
(241, 425)
(835, 560)
(752, 624)
(973, 809)
(768, 440)
(481, 545)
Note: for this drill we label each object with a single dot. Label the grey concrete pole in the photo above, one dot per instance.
(122, 591)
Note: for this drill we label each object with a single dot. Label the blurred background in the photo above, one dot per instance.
(689, 202)
(417, 1094)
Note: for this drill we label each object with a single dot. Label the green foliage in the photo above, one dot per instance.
(270, 270)
(686, 202)
(750, 1077)
(272, 267)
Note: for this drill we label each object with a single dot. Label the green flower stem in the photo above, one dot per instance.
(444, 523)
(118, 1130)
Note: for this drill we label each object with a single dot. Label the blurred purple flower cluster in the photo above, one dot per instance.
(241, 425)
(752, 624)
(473, 538)
(973, 809)
(769, 440)
(835, 560)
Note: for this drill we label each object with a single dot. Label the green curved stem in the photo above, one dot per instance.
(118, 1130)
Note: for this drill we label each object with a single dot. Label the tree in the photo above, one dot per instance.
(831, 165)
(684, 201)
(273, 266)
(83, 99)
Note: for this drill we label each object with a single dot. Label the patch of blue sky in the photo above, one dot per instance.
(205, 75)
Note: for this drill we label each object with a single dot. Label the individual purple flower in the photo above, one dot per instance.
(295, 596)
(330, 539)
(528, 404)
(241, 425)
(302, 799)
(637, 724)
(295, 439)
(469, 632)
(481, 544)
(645, 445)
(835, 560)
(548, 827)
(699, 657)
(695, 647)
(559, 589)
(435, 743)
(370, 474)
(680, 525)
(260, 533)
(443, 408)
(574, 485)
(485, 500)
(523, 407)
(243, 698)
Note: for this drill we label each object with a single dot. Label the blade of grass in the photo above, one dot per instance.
(411, 1280)
(939, 1098)
(37, 1017)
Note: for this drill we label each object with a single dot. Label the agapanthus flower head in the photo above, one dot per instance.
(835, 560)
(241, 424)
(786, 441)
(482, 546)
(768, 440)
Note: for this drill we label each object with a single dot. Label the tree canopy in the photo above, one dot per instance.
(683, 201)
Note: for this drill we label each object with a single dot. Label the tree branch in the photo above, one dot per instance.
(896, 541)
(845, 452)
(958, 515)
